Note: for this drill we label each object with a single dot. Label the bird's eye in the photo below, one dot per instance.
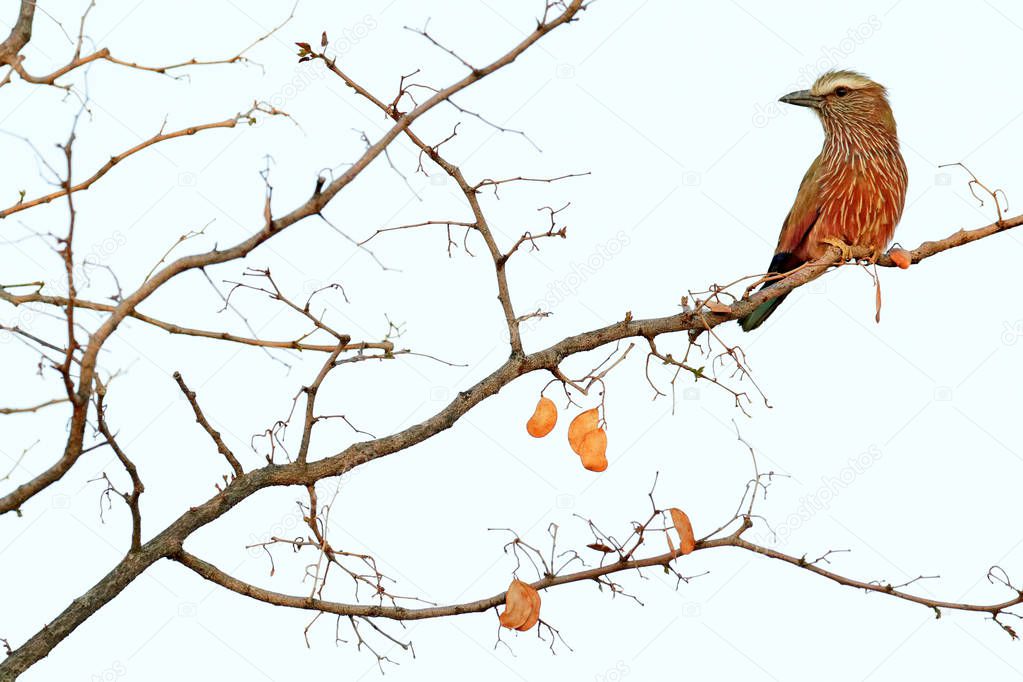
(841, 91)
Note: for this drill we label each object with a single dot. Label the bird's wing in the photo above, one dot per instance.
(791, 242)
(803, 215)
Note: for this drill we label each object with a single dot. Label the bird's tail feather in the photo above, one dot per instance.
(782, 262)
(760, 313)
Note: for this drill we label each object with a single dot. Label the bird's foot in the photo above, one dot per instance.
(844, 248)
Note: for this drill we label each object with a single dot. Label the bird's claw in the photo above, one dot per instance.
(844, 248)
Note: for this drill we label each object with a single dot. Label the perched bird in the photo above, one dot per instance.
(854, 191)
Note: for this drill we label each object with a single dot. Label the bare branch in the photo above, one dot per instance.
(214, 435)
(117, 158)
(33, 408)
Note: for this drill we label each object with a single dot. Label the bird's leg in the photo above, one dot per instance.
(845, 249)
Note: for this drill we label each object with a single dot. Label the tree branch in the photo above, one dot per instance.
(213, 574)
(137, 488)
(313, 206)
(214, 435)
(168, 542)
(117, 158)
(20, 33)
(32, 408)
(696, 318)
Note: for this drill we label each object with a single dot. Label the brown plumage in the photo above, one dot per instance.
(855, 190)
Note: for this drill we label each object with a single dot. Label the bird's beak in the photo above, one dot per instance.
(802, 98)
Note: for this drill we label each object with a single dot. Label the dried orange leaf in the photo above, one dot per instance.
(521, 606)
(718, 307)
(593, 450)
(901, 257)
(600, 547)
(512, 619)
(877, 302)
(534, 612)
(516, 605)
(545, 416)
(580, 426)
(687, 541)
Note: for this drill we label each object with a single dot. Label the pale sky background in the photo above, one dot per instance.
(671, 106)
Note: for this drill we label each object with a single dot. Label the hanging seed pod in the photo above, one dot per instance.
(687, 541)
(580, 426)
(593, 450)
(545, 416)
(521, 606)
(901, 257)
(534, 612)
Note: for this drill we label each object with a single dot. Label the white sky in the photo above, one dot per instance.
(670, 105)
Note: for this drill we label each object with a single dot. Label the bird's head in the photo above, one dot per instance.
(846, 98)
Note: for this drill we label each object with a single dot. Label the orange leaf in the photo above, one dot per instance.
(534, 612)
(718, 307)
(687, 541)
(877, 302)
(901, 257)
(580, 426)
(545, 416)
(593, 450)
(521, 606)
